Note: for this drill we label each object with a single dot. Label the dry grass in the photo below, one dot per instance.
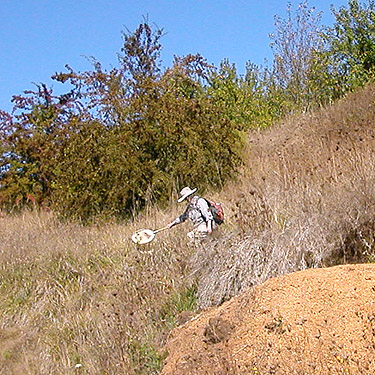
(86, 300)
(305, 199)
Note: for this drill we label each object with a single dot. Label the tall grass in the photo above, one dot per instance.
(86, 300)
(306, 198)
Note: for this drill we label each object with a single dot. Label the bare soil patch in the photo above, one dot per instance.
(317, 321)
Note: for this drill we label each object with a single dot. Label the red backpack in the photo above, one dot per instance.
(216, 210)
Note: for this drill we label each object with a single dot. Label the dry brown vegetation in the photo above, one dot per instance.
(78, 299)
(73, 295)
(305, 199)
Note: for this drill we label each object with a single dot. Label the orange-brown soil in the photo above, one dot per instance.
(317, 321)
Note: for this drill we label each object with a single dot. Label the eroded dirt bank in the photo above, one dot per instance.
(317, 321)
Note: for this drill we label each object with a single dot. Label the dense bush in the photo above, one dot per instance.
(122, 138)
(118, 140)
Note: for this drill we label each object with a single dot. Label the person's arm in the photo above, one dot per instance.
(209, 226)
(179, 220)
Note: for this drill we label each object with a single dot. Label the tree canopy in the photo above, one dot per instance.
(120, 139)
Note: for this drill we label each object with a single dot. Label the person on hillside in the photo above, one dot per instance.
(198, 212)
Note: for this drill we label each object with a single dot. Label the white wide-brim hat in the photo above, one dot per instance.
(185, 192)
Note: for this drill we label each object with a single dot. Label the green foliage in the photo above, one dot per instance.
(185, 300)
(295, 43)
(265, 99)
(199, 144)
(121, 139)
(82, 175)
(315, 65)
(146, 359)
(242, 100)
(348, 59)
(31, 141)
(352, 44)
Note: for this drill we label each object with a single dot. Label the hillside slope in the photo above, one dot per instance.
(305, 201)
(317, 321)
(86, 299)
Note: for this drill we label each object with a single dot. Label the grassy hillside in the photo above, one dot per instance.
(86, 300)
(306, 198)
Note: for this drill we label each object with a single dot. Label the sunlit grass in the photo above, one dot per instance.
(86, 299)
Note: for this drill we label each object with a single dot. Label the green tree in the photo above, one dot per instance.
(122, 138)
(114, 148)
(295, 43)
(30, 141)
(349, 59)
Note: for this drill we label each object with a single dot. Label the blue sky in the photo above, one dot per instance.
(38, 37)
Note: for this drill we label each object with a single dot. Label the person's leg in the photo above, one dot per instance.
(199, 232)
